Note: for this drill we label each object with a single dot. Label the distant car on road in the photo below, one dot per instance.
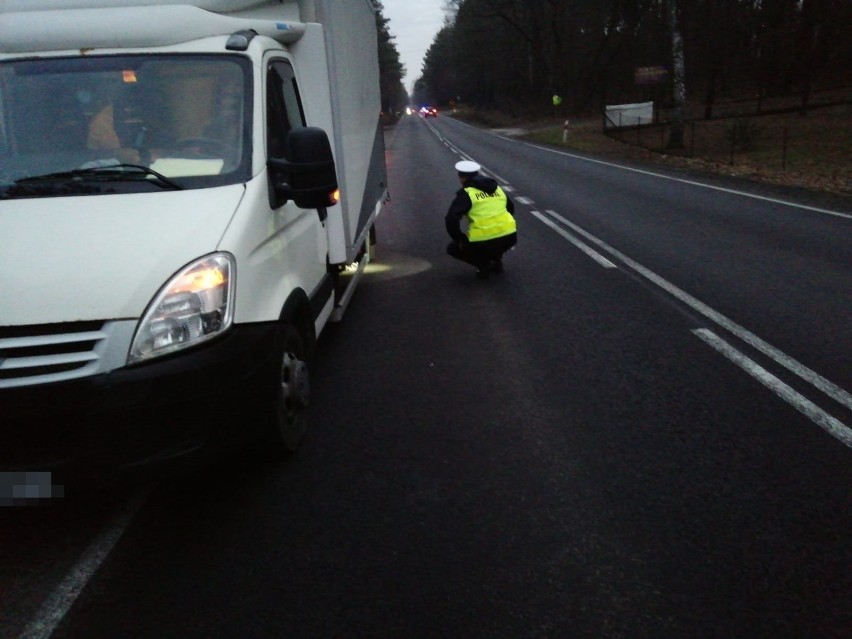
(429, 112)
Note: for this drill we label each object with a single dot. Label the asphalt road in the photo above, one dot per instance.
(640, 429)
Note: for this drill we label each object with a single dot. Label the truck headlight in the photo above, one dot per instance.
(193, 307)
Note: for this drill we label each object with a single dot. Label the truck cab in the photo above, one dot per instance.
(182, 187)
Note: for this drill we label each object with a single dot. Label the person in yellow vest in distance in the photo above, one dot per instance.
(491, 229)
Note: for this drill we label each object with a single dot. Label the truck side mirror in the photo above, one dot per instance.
(307, 174)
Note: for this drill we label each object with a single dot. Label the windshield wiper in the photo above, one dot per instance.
(108, 173)
(48, 189)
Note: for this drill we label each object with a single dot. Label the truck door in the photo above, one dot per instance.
(306, 239)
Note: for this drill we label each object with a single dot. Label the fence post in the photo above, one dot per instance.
(692, 141)
(733, 143)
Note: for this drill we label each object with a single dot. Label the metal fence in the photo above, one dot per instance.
(782, 140)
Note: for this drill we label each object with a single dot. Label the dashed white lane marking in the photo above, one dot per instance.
(829, 388)
(57, 605)
(524, 200)
(597, 257)
(813, 412)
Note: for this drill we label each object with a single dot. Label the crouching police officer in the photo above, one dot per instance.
(491, 229)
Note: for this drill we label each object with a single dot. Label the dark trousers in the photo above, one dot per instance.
(481, 254)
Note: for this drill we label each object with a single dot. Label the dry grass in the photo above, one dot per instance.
(813, 151)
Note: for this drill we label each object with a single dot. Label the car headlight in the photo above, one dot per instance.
(193, 307)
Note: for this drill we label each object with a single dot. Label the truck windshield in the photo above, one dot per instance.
(184, 117)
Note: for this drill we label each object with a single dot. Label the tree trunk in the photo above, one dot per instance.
(678, 78)
(809, 39)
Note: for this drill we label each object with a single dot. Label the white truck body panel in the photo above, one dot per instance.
(128, 28)
(355, 108)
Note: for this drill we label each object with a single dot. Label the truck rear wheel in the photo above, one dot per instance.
(286, 419)
(371, 243)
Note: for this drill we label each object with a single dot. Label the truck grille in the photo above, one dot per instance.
(49, 352)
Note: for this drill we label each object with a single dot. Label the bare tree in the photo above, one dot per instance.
(512, 55)
(678, 79)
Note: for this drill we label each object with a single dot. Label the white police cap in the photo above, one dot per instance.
(466, 166)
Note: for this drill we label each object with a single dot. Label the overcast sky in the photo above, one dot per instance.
(413, 23)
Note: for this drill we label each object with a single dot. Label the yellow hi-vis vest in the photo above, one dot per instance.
(488, 216)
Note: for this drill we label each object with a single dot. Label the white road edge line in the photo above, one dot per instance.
(694, 183)
(831, 425)
(57, 605)
(669, 177)
(597, 257)
(827, 387)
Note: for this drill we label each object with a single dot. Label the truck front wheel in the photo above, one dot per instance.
(286, 420)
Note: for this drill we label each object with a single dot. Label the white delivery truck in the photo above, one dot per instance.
(188, 191)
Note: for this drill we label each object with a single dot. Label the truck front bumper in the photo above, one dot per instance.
(185, 405)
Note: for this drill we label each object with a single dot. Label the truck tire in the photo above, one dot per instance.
(371, 243)
(286, 421)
